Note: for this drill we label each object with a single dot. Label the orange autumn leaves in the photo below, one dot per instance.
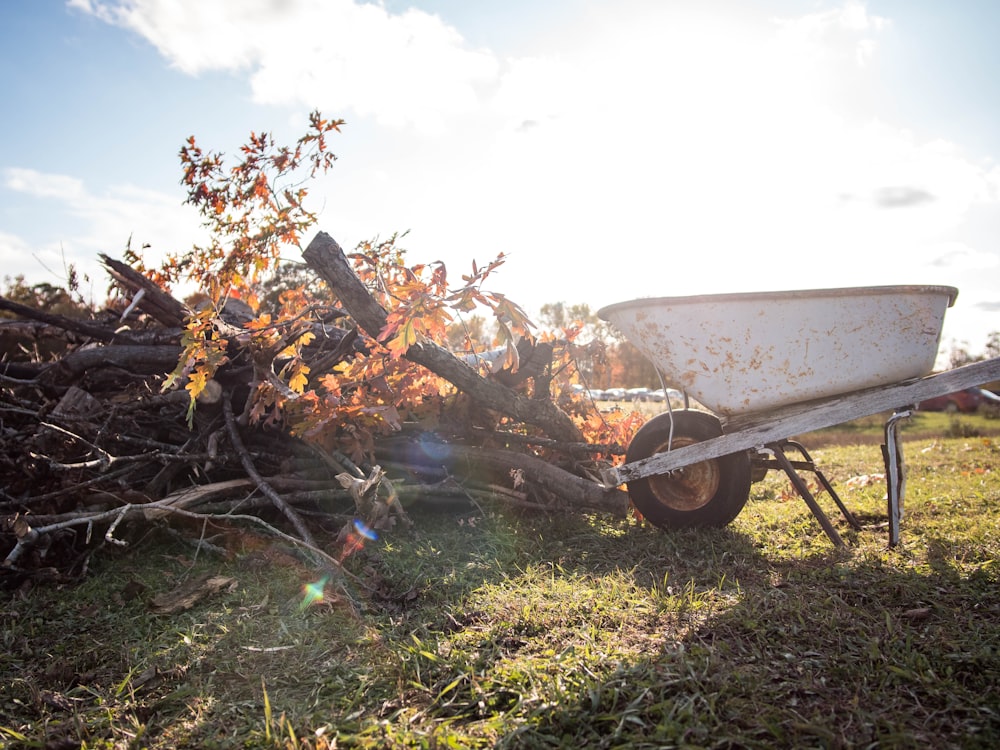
(255, 212)
(420, 304)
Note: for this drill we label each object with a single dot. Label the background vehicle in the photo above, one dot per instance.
(966, 401)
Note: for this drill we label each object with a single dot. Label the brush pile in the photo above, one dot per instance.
(99, 443)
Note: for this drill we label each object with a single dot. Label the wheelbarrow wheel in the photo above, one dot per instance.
(708, 493)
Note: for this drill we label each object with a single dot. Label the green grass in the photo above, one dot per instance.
(526, 631)
(920, 425)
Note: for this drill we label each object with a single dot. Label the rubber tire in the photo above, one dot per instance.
(706, 494)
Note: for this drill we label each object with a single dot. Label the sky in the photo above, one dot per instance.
(612, 149)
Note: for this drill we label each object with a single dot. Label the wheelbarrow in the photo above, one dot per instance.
(768, 366)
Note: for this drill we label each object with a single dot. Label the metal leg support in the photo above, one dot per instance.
(803, 490)
(895, 473)
(810, 465)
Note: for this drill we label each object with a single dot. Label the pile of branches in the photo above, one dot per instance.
(93, 449)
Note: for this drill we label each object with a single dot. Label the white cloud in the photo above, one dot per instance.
(844, 32)
(42, 185)
(900, 195)
(533, 90)
(401, 69)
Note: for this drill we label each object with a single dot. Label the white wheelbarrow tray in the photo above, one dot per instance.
(742, 353)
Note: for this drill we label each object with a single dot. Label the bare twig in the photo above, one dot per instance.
(103, 463)
(251, 470)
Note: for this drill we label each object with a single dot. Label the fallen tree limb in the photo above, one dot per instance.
(326, 258)
(193, 497)
(88, 329)
(573, 449)
(81, 327)
(138, 360)
(562, 483)
(464, 460)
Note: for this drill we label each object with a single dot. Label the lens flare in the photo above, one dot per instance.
(433, 448)
(364, 531)
(312, 593)
(357, 534)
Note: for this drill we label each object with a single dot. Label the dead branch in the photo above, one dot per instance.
(138, 361)
(29, 535)
(470, 461)
(153, 301)
(561, 483)
(573, 449)
(327, 259)
(91, 330)
(251, 470)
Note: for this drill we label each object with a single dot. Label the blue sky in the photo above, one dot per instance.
(612, 148)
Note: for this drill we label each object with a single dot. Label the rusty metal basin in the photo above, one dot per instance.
(740, 353)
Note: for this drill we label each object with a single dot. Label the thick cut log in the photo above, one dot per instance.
(326, 258)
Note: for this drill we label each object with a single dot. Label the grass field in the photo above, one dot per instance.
(485, 627)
